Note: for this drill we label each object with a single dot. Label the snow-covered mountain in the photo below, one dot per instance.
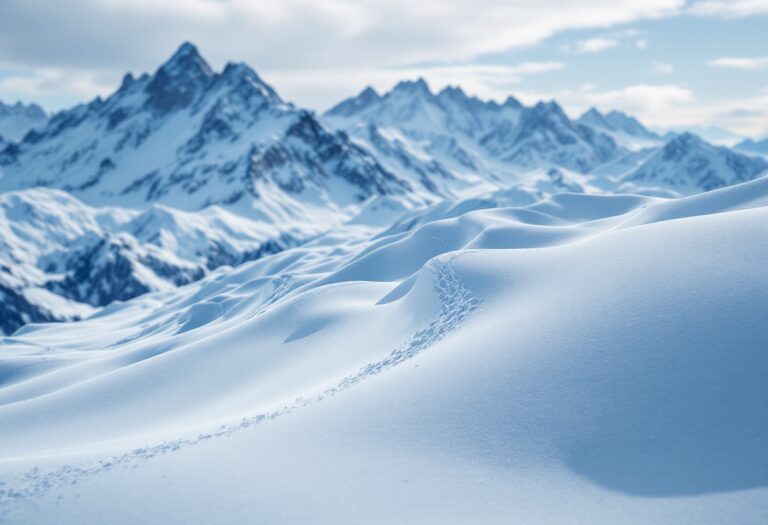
(19, 119)
(444, 142)
(472, 365)
(687, 164)
(60, 258)
(753, 146)
(131, 169)
(624, 129)
(444, 309)
(190, 137)
(450, 142)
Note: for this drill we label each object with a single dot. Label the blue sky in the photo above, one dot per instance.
(672, 63)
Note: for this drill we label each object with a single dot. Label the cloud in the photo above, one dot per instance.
(662, 68)
(728, 8)
(607, 41)
(68, 87)
(488, 81)
(594, 45)
(750, 63)
(665, 106)
(296, 33)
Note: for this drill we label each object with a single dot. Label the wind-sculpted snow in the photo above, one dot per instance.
(456, 302)
(473, 363)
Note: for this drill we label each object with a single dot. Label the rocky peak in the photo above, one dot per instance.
(351, 106)
(412, 87)
(179, 81)
(681, 145)
(243, 78)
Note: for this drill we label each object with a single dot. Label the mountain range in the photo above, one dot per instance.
(220, 169)
(417, 307)
(753, 146)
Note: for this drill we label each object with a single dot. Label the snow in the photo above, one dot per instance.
(19, 119)
(687, 164)
(418, 308)
(65, 257)
(578, 359)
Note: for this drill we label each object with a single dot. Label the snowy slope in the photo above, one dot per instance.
(59, 258)
(622, 128)
(188, 137)
(602, 352)
(687, 164)
(19, 119)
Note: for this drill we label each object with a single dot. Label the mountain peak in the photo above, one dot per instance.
(418, 86)
(549, 108)
(754, 146)
(179, 81)
(686, 137)
(512, 102)
(681, 145)
(243, 75)
(350, 106)
(187, 57)
(592, 113)
(369, 92)
(453, 91)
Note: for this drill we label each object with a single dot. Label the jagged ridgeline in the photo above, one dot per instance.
(190, 137)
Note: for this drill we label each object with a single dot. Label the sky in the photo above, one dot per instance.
(693, 64)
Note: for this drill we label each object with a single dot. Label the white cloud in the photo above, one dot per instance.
(665, 106)
(298, 33)
(728, 8)
(662, 68)
(654, 102)
(488, 81)
(69, 86)
(288, 38)
(607, 41)
(595, 45)
(750, 63)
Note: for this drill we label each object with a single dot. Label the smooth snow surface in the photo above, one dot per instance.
(581, 359)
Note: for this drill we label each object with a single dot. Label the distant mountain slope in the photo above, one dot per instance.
(687, 164)
(60, 257)
(19, 119)
(449, 141)
(753, 146)
(190, 137)
(624, 129)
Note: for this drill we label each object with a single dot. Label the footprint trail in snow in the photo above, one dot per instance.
(456, 303)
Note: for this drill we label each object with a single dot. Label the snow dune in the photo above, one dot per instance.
(470, 365)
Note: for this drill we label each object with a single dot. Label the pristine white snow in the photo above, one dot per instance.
(581, 359)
